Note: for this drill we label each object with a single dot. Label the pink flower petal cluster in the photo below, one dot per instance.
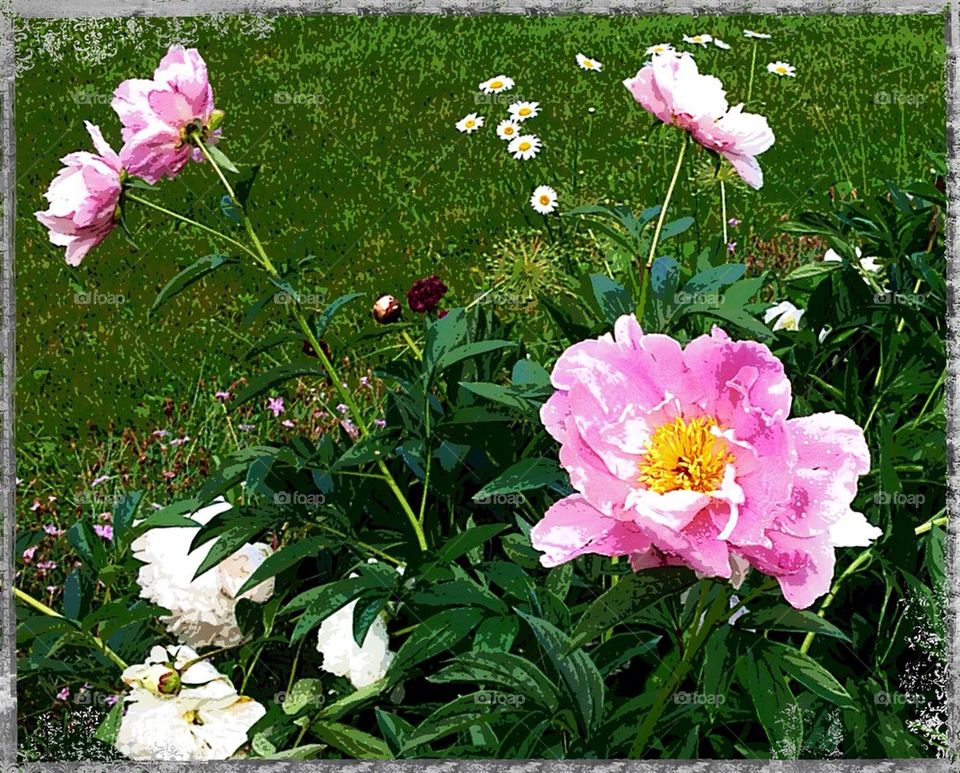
(671, 87)
(634, 411)
(157, 115)
(83, 199)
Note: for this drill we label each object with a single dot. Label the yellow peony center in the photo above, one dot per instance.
(684, 455)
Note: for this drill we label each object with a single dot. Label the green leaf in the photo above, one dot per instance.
(582, 679)
(220, 158)
(365, 614)
(466, 541)
(496, 634)
(810, 270)
(320, 603)
(107, 730)
(232, 529)
(287, 556)
(356, 743)
(612, 298)
(305, 751)
(123, 515)
(434, 635)
(782, 617)
(810, 674)
(457, 715)
(774, 704)
(395, 729)
(190, 275)
(676, 227)
(305, 693)
(503, 669)
(631, 595)
(527, 474)
(326, 317)
(460, 592)
(244, 185)
(664, 277)
(474, 349)
(714, 278)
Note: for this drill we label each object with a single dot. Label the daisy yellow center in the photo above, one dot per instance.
(782, 70)
(524, 111)
(544, 199)
(684, 455)
(469, 124)
(587, 63)
(496, 85)
(508, 130)
(524, 146)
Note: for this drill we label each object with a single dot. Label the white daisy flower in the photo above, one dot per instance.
(470, 123)
(698, 40)
(202, 610)
(659, 48)
(521, 111)
(720, 44)
(787, 316)
(507, 129)
(782, 69)
(342, 657)
(496, 84)
(195, 715)
(524, 147)
(756, 35)
(588, 64)
(544, 199)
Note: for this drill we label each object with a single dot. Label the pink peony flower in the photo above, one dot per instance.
(671, 87)
(158, 114)
(83, 199)
(686, 456)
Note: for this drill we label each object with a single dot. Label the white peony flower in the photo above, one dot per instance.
(342, 657)
(202, 611)
(787, 316)
(205, 719)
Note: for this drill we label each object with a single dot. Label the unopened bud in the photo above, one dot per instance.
(387, 309)
(156, 678)
(216, 118)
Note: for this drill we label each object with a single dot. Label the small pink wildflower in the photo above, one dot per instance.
(275, 404)
(103, 530)
(97, 481)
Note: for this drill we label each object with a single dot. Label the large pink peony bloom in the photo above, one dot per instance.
(83, 199)
(157, 114)
(686, 456)
(671, 87)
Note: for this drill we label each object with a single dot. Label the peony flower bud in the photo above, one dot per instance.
(387, 309)
(157, 678)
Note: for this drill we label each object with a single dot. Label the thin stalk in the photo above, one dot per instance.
(644, 277)
(189, 221)
(865, 556)
(412, 344)
(676, 677)
(723, 210)
(753, 67)
(297, 313)
(30, 601)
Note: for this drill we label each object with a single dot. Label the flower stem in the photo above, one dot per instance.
(723, 210)
(189, 221)
(753, 67)
(30, 601)
(865, 556)
(296, 311)
(713, 615)
(644, 277)
(412, 344)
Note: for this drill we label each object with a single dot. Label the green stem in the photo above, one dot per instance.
(865, 556)
(923, 528)
(189, 221)
(644, 277)
(364, 545)
(702, 632)
(30, 601)
(348, 400)
(753, 67)
(723, 211)
(412, 344)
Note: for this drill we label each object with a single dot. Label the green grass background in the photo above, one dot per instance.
(372, 174)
